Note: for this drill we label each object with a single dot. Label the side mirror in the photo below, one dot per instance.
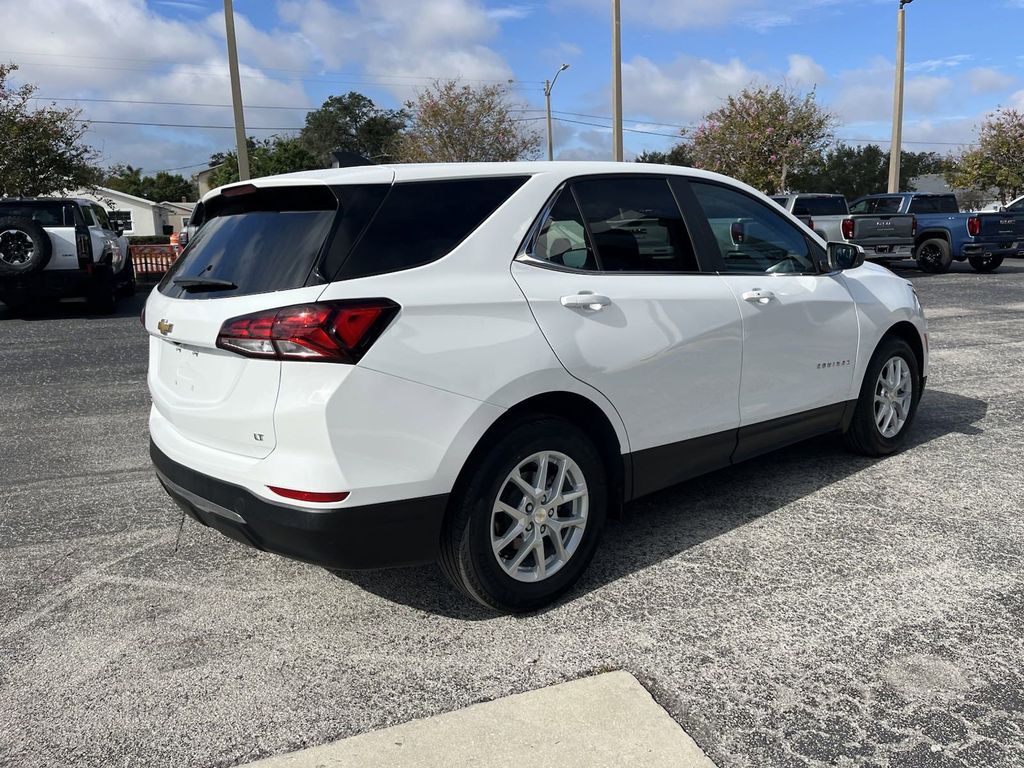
(119, 231)
(845, 256)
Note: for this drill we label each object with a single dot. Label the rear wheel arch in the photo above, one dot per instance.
(931, 234)
(574, 408)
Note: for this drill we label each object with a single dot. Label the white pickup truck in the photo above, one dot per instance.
(54, 248)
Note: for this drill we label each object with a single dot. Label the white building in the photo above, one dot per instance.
(138, 216)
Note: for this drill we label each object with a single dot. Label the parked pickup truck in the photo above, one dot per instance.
(944, 234)
(53, 248)
(883, 236)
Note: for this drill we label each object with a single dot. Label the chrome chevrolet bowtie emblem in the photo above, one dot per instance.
(164, 327)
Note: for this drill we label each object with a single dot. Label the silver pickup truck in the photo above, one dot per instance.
(882, 236)
(54, 248)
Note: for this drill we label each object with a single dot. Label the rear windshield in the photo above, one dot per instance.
(934, 204)
(420, 222)
(264, 240)
(46, 213)
(877, 205)
(820, 206)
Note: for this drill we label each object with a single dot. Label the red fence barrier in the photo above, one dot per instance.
(151, 261)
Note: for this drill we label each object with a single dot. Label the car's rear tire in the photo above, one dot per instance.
(24, 246)
(986, 263)
(102, 295)
(934, 256)
(508, 543)
(888, 400)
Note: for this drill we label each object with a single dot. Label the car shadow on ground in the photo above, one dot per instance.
(74, 310)
(667, 523)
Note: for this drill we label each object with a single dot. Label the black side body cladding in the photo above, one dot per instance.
(656, 468)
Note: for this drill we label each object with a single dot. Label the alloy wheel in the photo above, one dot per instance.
(894, 392)
(539, 516)
(15, 246)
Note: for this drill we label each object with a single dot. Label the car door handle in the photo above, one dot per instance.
(592, 302)
(757, 296)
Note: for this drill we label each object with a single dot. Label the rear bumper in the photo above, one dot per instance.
(372, 536)
(1004, 249)
(886, 249)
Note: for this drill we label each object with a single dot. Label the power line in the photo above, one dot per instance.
(166, 103)
(182, 125)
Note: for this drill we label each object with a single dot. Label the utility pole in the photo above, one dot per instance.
(548, 85)
(896, 150)
(616, 82)
(236, 93)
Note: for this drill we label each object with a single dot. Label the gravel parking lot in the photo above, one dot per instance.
(806, 608)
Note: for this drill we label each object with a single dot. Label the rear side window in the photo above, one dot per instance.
(420, 222)
(46, 214)
(934, 204)
(820, 206)
(263, 240)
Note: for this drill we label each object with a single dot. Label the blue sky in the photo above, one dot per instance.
(680, 59)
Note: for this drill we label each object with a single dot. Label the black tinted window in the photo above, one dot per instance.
(934, 204)
(101, 216)
(752, 236)
(47, 214)
(420, 222)
(563, 238)
(635, 225)
(1017, 206)
(266, 240)
(877, 205)
(820, 206)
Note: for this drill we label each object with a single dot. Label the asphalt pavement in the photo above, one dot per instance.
(807, 608)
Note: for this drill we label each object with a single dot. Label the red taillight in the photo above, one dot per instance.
(322, 498)
(913, 226)
(848, 229)
(974, 226)
(334, 332)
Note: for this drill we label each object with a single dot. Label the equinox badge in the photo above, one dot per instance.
(164, 327)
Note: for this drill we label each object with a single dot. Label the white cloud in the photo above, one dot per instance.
(803, 70)
(866, 94)
(510, 12)
(681, 90)
(989, 80)
(682, 14)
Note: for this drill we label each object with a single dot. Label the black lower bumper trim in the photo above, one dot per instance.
(352, 538)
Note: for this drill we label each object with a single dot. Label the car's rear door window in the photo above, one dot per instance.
(934, 204)
(635, 225)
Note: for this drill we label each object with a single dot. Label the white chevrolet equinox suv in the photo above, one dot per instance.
(476, 364)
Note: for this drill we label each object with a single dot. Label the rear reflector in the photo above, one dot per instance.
(322, 498)
(328, 332)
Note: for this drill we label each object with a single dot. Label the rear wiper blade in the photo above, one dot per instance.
(203, 284)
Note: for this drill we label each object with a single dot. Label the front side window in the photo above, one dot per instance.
(563, 238)
(101, 216)
(635, 225)
(751, 236)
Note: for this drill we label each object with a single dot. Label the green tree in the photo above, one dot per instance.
(998, 160)
(863, 170)
(455, 122)
(163, 186)
(267, 157)
(680, 154)
(42, 151)
(762, 135)
(354, 123)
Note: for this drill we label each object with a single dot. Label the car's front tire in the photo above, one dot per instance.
(525, 521)
(888, 400)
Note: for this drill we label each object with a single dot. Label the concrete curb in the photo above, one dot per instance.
(606, 720)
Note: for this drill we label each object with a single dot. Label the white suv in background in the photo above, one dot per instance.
(476, 364)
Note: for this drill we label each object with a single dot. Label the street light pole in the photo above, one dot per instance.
(548, 85)
(896, 150)
(616, 83)
(236, 93)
